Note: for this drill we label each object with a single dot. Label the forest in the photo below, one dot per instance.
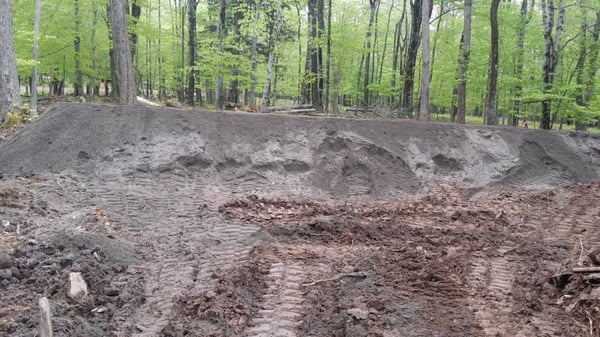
(488, 61)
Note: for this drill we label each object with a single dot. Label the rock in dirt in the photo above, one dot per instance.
(110, 291)
(358, 313)
(5, 274)
(78, 288)
(46, 319)
(6, 261)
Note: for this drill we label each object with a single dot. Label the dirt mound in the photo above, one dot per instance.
(303, 155)
(200, 223)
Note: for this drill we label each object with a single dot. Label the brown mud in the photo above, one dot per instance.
(197, 223)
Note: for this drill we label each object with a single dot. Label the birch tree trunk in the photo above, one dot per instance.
(126, 93)
(490, 98)
(551, 47)
(425, 61)
(34, 73)
(9, 82)
(463, 63)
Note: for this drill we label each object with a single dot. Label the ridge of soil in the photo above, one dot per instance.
(202, 223)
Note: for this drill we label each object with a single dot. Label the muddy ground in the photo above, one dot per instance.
(199, 223)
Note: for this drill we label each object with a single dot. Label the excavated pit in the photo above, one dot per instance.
(203, 223)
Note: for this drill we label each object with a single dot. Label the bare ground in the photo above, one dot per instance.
(195, 223)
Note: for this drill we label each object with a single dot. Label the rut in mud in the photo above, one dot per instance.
(193, 223)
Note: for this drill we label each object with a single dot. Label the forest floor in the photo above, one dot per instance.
(196, 223)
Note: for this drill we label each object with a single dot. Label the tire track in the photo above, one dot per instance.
(282, 306)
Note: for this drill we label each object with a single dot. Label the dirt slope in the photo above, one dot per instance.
(200, 223)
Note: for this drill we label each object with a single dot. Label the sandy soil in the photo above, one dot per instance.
(198, 223)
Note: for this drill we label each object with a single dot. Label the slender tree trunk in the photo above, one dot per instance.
(518, 89)
(92, 78)
(424, 107)
(463, 63)
(313, 83)
(490, 98)
(586, 76)
(125, 79)
(328, 61)
(551, 48)
(374, 5)
(397, 48)
(253, 52)
(191, 89)
(9, 81)
(272, 42)
(78, 73)
(220, 93)
(435, 39)
(411, 58)
(385, 40)
(34, 73)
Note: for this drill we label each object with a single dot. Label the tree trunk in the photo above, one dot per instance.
(34, 74)
(253, 52)
(91, 77)
(424, 107)
(397, 48)
(586, 77)
(313, 83)
(385, 40)
(78, 74)
(219, 92)
(551, 46)
(328, 61)
(272, 42)
(191, 85)
(463, 63)
(411, 58)
(125, 79)
(490, 98)
(374, 6)
(523, 21)
(9, 82)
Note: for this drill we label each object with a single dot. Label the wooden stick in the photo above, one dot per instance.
(46, 319)
(586, 270)
(339, 277)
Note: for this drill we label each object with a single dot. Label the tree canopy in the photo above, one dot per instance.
(334, 54)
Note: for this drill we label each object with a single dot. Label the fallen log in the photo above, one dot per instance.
(286, 108)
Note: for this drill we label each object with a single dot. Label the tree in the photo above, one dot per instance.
(221, 33)
(192, 6)
(551, 48)
(272, 42)
(124, 86)
(411, 57)
(524, 19)
(490, 117)
(463, 63)
(586, 67)
(424, 107)
(34, 75)
(9, 82)
(77, 44)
